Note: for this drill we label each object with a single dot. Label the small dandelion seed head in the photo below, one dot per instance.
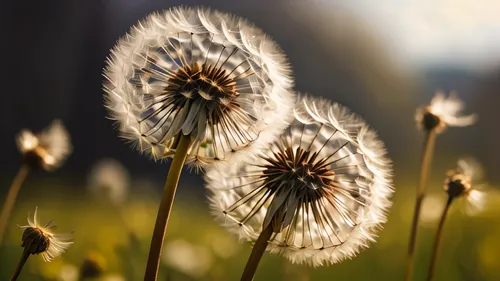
(442, 113)
(48, 149)
(324, 186)
(462, 182)
(202, 73)
(109, 181)
(42, 240)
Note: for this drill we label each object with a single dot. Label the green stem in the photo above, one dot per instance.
(437, 240)
(429, 144)
(257, 252)
(11, 199)
(22, 261)
(166, 203)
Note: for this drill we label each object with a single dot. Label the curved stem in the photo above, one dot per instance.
(437, 240)
(257, 252)
(11, 199)
(430, 141)
(166, 203)
(20, 265)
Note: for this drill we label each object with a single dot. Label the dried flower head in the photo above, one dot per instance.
(42, 240)
(324, 185)
(109, 180)
(462, 183)
(206, 74)
(46, 150)
(443, 112)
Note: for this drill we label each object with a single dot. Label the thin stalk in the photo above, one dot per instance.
(437, 240)
(429, 144)
(22, 261)
(166, 203)
(11, 199)
(257, 252)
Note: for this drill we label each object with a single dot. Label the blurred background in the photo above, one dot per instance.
(382, 59)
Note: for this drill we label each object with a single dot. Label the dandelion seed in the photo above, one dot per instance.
(323, 187)
(41, 240)
(201, 73)
(443, 112)
(109, 180)
(46, 150)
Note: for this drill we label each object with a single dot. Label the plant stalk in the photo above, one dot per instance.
(429, 144)
(257, 252)
(22, 261)
(437, 240)
(166, 203)
(11, 199)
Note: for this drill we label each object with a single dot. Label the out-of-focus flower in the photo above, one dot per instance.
(42, 240)
(443, 112)
(198, 72)
(68, 272)
(192, 260)
(109, 180)
(92, 266)
(462, 183)
(47, 149)
(324, 185)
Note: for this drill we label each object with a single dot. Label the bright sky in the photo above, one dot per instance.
(460, 32)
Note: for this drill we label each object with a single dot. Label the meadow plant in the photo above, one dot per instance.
(200, 86)
(316, 195)
(461, 183)
(47, 150)
(433, 119)
(41, 240)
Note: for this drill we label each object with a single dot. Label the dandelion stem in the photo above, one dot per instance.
(430, 141)
(166, 203)
(437, 240)
(22, 261)
(11, 199)
(257, 252)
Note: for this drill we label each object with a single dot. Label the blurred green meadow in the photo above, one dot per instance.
(112, 240)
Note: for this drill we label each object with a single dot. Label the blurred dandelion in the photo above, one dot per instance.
(316, 195)
(192, 260)
(433, 120)
(109, 180)
(46, 150)
(461, 184)
(198, 85)
(38, 239)
(68, 272)
(92, 266)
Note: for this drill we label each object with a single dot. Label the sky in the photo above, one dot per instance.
(464, 33)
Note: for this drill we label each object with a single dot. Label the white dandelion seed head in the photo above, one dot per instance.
(48, 149)
(324, 185)
(444, 112)
(198, 72)
(109, 180)
(462, 182)
(42, 239)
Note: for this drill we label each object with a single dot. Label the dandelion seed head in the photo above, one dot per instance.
(109, 180)
(324, 185)
(202, 73)
(42, 240)
(443, 112)
(462, 183)
(48, 149)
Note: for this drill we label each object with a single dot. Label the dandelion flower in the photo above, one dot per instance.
(48, 149)
(462, 183)
(109, 180)
(200, 73)
(443, 112)
(42, 240)
(324, 187)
